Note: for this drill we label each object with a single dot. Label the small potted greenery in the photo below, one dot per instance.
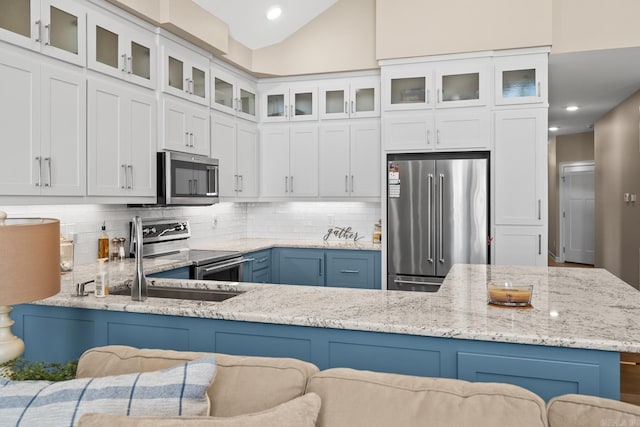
(20, 369)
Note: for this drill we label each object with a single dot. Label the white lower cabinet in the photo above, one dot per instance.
(122, 129)
(439, 131)
(520, 245)
(349, 160)
(185, 127)
(235, 143)
(289, 161)
(43, 119)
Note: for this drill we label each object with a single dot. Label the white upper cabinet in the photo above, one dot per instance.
(448, 130)
(43, 120)
(521, 79)
(349, 160)
(289, 159)
(53, 27)
(185, 127)
(185, 73)
(350, 98)
(234, 95)
(289, 103)
(408, 87)
(235, 143)
(121, 49)
(463, 83)
(122, 132)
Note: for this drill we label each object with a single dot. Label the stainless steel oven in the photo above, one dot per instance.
(168, 239)
(223, 269)
(187, 179)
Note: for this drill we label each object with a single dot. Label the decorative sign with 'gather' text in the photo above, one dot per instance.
(342, 233)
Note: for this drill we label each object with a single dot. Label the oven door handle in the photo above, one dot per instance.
(224, 266)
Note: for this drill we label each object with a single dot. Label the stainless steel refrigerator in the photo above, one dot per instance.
(437, 216)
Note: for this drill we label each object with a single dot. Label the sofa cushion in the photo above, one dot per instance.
(362, 398)
(243, 384)
(573, 410)
(299, 412)
(181, 390)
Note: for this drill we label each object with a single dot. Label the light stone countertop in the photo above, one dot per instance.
(252, 245)
(580, 308)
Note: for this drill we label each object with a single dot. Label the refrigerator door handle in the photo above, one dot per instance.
(429, 214)
(440, 222)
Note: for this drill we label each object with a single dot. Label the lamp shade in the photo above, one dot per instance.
(29, 259)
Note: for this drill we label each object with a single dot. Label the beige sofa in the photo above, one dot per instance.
(349, 397)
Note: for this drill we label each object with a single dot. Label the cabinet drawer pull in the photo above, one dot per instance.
(124, 174)
(47, 29)
(539, 244)
(39, 160)
(349, 271)
(130, 169)
(39, 24)
(624, 362)
(48, 160)
(261, 260)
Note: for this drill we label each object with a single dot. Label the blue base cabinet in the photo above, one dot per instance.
(346, 268)
(258, 268)
(353, 269)
(301, 266)
(58, 334)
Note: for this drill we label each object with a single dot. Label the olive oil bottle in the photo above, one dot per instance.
(103, 243)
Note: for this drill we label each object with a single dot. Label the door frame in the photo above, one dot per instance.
(560, 256)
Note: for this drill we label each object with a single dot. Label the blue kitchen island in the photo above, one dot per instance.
(568, 342)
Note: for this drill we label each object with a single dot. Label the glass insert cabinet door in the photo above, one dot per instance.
(293, 104)
(521, 80)
(55, 28)
(463, 84)
(409, 88)
(357, 99)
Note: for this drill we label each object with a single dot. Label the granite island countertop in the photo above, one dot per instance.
(578, 308)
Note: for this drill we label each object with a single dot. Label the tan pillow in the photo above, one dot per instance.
(300, 412)
(370, 399)
(243, 385)
(574, 410)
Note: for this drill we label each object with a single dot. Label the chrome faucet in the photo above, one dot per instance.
(139, 286)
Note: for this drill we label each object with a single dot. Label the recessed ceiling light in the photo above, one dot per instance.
(572, 108)
(274, 12)
(553, 128)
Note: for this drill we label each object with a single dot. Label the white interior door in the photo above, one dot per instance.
(577, 186)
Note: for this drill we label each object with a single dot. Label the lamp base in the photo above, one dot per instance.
(10, 345)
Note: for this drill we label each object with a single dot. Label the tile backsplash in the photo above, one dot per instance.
(310, 220)
(217, 223)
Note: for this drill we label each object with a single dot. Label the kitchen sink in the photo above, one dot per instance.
(183, 293)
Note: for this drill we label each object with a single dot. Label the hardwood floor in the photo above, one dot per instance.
(552, 263)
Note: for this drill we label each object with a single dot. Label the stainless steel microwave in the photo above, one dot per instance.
(187, 179)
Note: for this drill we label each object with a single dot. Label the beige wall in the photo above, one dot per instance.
(617, 157)
(563, 149)
(408, 28)
(342, 38)
(580, 25)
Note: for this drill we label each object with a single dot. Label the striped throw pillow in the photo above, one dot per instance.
(177, 391)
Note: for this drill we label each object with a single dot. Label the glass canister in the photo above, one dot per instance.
(117, 249)
(67, 237)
